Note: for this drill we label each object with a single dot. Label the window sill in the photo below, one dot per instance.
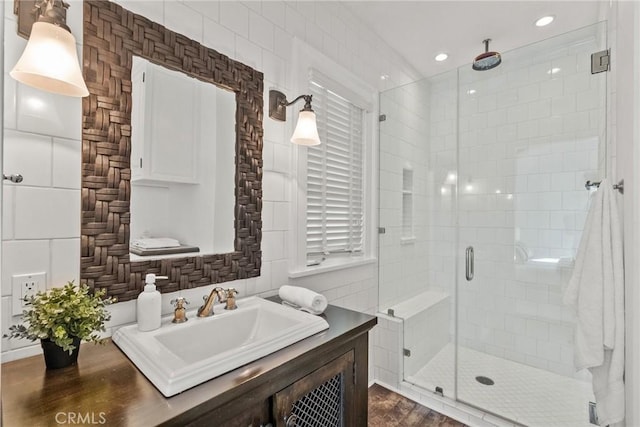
(331, 265)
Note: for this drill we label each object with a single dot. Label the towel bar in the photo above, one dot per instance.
(619, 186)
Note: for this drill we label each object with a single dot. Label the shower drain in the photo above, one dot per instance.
(485, 380)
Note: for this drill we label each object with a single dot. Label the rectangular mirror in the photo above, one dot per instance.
(112, 185)
(182, 164)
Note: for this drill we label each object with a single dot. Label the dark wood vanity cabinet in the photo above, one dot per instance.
(320, 381)
(331, 395)
(322, 398)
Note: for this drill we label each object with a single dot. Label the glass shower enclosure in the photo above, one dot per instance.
(483, 200)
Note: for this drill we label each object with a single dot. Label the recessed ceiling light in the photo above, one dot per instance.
(545, 20)
(554, 70)
(384, 76)
(441, 57)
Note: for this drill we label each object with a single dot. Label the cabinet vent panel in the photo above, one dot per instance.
(322, 406)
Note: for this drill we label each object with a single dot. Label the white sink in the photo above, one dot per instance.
(179, 356)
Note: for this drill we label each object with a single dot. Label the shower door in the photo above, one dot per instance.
(531, 132)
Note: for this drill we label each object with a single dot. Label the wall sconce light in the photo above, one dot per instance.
(306, 132)
(50, 61)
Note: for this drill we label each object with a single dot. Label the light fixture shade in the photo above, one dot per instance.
(306, 132)
(50, 62)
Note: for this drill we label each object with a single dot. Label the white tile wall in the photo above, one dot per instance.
(41, 217)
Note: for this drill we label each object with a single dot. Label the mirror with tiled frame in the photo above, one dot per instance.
(112, 36)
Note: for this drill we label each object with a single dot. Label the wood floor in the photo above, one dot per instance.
(389, 409)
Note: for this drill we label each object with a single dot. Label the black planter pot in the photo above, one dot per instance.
(55, 357)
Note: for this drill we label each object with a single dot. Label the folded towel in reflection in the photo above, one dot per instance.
(303, 298)
(155, 243)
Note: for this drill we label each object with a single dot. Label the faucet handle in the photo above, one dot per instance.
(231, 299)
(179, 314)
(222, 294)
(179, 302)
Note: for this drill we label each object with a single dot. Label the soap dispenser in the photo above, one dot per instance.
(149, 305)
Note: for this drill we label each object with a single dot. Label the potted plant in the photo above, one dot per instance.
(60, 318)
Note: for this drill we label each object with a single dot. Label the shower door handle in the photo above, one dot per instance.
(469, 268)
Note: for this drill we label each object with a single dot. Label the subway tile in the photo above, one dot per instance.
(23, 257)
(235, 16)
(13, 46)
(551, 88)
(122, 313)
(275, 69)
(10, 87)
(46, 113)
(281, 216)
(273, 245)
(261, 31)
(529, 93)
(184, 20)
(254, 5)
(330, 47)
(526, 345)
(294, 22)
(46, 213)
(274, 12)
(574, 122)
(65, 262)
(313, 37)
(279, 273)
(538, 330)
(267, 216)
(208, 9)
(264, 281)
(540, 109)
(30, 156)
(218, 37)
(563, 104)
(8, 208)
(307, 9)
(248, 53)
(578, 83)
(67, 162)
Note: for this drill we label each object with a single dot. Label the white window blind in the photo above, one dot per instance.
(335, 168)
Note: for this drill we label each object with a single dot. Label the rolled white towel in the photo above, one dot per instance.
(305, 299)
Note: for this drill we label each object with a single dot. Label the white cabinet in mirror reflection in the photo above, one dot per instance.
(182, 159)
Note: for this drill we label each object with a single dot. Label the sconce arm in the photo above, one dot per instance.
(307, 102)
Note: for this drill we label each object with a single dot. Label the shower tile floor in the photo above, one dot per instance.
(529, 396)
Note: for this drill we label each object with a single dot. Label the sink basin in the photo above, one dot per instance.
(176, 357)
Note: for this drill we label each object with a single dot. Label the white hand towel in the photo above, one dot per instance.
(596, 290)
(304, 298)
(156, 243)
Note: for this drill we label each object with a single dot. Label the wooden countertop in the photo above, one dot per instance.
(105, 388)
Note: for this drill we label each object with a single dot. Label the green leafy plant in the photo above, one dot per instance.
(61, 314)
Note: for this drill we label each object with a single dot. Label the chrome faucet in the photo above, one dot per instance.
(207, 309)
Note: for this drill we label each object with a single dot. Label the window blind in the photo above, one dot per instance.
(335, 168)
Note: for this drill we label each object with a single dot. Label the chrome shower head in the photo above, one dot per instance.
(487, 60)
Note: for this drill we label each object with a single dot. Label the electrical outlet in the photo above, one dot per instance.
(25, 286)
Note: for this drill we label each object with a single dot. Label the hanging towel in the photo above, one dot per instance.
(596, 290)
(303, 298)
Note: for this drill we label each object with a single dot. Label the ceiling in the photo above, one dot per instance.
(419, 30)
